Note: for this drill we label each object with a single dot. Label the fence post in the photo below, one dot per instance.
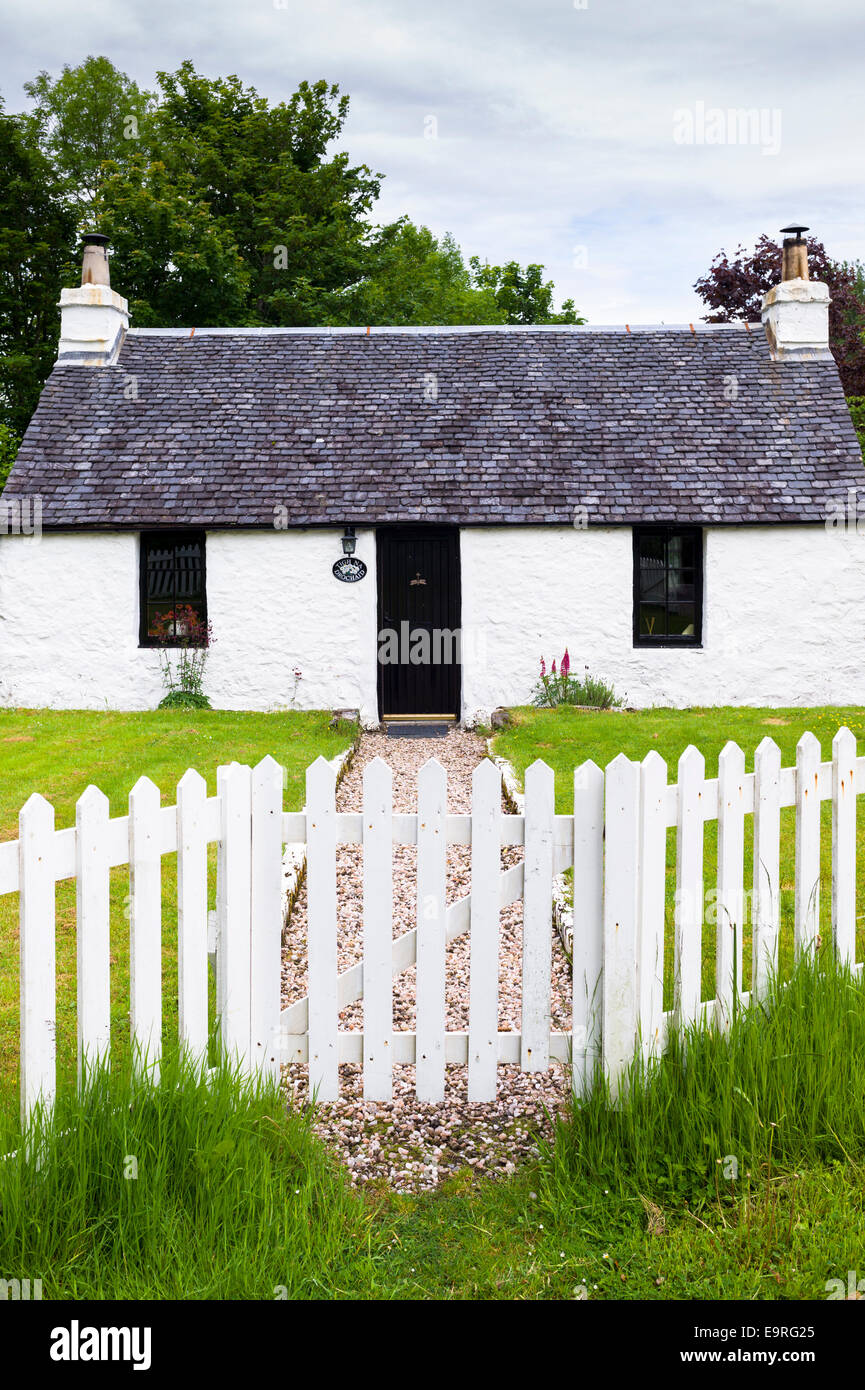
(689, 885)
(767, 864)
(431, 898)
(621, 909)
(844, 845)
(37, 955)
(587, 945)
(653, 866)
(321, 930)
(729, 901)
(93, 940)
(145, 926)
(192, 977)
(807, 871)
(266, 916)
(484, 942)
(234, 787)
(540, 811)
(377, 931)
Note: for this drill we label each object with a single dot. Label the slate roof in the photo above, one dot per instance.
(220, 427)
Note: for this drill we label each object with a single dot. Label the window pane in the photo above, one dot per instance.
(652, 547)
(681, 619)
(681, 586)
(653, 620)
(680, 550)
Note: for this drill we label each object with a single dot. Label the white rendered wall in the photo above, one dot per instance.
(69, 622)
(783, 617)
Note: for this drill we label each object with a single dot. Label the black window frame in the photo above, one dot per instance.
(146, 539)
(642, 639)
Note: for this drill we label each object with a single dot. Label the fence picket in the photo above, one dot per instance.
(93, 940)
(621, 910)
(431, 895)
(37, 954)
(234, 788)
(540, 808)
(587, 959)
(689, 885)
(844, 845)
(322, 939)
(484, 943)
(192, 973)
(653, 863)
(377, 930)
(266, 915)
(145, 925)
(807, 870)
(730, 899)
(767, 864)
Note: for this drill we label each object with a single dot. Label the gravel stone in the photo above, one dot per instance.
(410, 1145)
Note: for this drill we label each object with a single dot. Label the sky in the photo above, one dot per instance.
(621, 144)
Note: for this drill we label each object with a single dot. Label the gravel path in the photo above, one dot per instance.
(410, 1145)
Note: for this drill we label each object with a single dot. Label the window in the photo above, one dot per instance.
(668, 586)
(172, 582)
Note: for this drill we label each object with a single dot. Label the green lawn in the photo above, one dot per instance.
(58, 753)
(565, 737)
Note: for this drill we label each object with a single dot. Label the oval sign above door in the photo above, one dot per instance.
(349, 569)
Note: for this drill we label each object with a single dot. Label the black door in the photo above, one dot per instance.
(419, 658)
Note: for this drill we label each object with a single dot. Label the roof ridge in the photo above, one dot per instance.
(443, 329)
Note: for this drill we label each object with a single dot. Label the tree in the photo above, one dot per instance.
(417, 279)
(733, 289)
(88, 115)
(37, 233)
(299, 217)
(522, 295)
(175, 263)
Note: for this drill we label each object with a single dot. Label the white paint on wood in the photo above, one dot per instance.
(767, 865)
(37, 956)
(689, 885)
(807, 869)
(537, 917)
(145, 925)
(730, 899)
(377, 930)
(484, 948)
(652, 900)
(322, 940)
(621, 910)
(430, 917)
(587, 959)
(192, 974)
(266, 915)
(93, 940)
(234, 785)
(844, 845)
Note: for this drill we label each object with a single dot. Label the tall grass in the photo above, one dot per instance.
(196, 1187)
(785, 1088)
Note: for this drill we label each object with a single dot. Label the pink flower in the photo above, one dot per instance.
(554, 666)
(543, 667)
(566, 663)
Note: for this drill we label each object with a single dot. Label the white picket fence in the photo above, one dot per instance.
(615, 839)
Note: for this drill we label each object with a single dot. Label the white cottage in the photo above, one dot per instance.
(655, 498)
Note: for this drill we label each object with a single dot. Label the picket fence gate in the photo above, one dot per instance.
(615, 840)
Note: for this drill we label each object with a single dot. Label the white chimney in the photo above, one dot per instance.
(796, 313)
(93, 319)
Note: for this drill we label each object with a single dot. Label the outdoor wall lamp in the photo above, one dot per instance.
(349, 541)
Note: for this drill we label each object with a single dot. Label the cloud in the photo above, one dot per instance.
(554, 125)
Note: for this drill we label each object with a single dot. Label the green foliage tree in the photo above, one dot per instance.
(88, 115)
(522, 295)
(36, 235)
(176, 263)
(417, 279)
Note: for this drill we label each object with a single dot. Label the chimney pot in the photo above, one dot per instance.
(94, 264)
(794, 253)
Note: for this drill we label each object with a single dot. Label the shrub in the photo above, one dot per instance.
(184, 641)
(561, 688)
